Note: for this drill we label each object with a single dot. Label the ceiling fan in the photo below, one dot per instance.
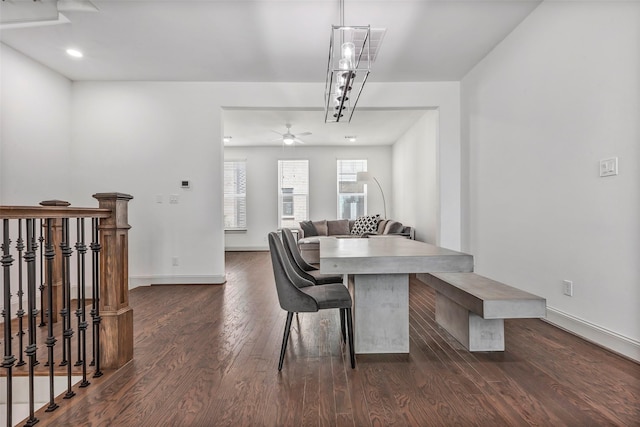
(288, 138)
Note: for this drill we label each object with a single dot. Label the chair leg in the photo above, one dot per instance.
(342, 326)
(285, 339)
(350, 331)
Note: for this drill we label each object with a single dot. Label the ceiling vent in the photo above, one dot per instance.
(14, 12)
(29, 13)
(376, 36)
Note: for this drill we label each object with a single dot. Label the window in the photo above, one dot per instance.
(293, 192)
(352, 195)
(235, 195)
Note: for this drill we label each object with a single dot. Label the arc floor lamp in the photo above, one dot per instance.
(366, 177)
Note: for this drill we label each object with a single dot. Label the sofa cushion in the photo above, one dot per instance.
(337, 227)
(308, 229)
(321, 227)
(309, 241)
(365, 224)
(393, 227)
(381, 225)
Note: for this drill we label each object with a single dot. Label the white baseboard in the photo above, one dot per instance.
(247, 249)
(603, 337)
(135, 281)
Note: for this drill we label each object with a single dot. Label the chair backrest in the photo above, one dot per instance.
(292, 260)
(291, 246)
(287, 282)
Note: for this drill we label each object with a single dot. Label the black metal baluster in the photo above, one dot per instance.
(20, 312)
(30, 351)
(65, 277)
(41, 240)
(51, 340)
(9, 359)
(81, 250)
(95, 305)
(67, 333)
(34, 312)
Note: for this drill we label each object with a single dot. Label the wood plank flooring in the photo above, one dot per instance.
(207, 356)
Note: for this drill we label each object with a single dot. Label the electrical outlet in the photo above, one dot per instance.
(175, 261)
(567, 288)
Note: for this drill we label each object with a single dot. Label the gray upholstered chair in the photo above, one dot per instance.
(303, 268)
(295, 298)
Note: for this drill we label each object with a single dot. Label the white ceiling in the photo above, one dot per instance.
(370, 126)
(266, 41)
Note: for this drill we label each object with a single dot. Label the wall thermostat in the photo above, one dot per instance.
(185, 184)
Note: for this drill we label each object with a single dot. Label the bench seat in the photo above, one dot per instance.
(472, 308)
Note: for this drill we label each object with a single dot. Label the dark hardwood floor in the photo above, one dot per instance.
(207, 356)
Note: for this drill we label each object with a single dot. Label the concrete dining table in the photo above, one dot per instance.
(380, 269)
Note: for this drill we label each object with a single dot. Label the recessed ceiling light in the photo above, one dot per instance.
(226, 138)
(351, 138)
(75, 53)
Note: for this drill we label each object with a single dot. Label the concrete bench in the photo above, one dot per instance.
(472, 308)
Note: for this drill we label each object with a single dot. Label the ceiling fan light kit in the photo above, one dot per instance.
(288, 138)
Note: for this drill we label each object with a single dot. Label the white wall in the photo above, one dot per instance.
(415, 195)
(35, 131)
(262, 188)
(143, 138)
(445, 97)
(539, 112)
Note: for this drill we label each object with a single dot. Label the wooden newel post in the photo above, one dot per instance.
(116, 326)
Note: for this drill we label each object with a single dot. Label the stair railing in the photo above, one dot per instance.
(39, 240)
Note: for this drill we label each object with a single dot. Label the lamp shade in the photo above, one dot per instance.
(363, 176)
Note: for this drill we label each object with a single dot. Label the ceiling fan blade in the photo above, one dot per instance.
(303, 134)
(298, 141)
(275, 131)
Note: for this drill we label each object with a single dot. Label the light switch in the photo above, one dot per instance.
(609, 167)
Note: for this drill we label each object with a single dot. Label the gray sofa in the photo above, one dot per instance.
(310, 232)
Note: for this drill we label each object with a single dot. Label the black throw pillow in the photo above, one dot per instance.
(308, 228)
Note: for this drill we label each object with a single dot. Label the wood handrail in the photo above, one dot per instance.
(17, 212)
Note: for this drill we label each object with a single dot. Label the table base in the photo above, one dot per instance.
(381, 313)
